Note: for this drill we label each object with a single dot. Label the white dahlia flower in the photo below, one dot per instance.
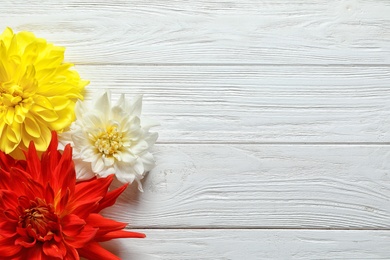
(110, 139)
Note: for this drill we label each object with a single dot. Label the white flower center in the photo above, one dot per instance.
(110, 141)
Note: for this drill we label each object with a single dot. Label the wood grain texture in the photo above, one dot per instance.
(254, 244)
(254, 186)
(204, 32)
(256, 103)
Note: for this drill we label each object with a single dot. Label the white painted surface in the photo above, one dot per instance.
(257, 104)
(183, 244)
(275, 117)
(231, 31)
(256, 186)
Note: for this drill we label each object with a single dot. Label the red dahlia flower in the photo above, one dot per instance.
(45, 214)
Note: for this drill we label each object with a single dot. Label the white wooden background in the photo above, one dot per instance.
(275, 120)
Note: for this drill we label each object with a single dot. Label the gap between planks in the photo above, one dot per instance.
(160, 64)
(255, 228)
(276, 143)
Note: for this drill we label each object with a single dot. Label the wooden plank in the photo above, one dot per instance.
(262, 186)
(256, 103)
(216, 32)
(254, 245)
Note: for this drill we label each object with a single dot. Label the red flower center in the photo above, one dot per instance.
(38, 221)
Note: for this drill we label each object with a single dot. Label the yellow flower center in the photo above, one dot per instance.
(10, 95)
(110, 141)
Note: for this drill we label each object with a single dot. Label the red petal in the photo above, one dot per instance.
(72, 225)
(52, 249)
(58, 169)
(33, 163)
(33, 189)
(30, 187)
(49, 194)
(50, 157)
(63, 202)
(49, 161)
(95, 251)
(53, 144)
(25, 241)
(5, 179)
(6, 161)
(105, 225)
(8, 247)
(110, 198)
(84, 208)
(17, 177)
(11, 216)
(85, 236)
(8, 229)
(8, 199)
(72, 254)
(65, 170)
(34, 253)
(92, 189)
(120, 234)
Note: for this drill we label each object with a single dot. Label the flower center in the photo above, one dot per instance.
(39, 220)
(109, 141)
(10, 95)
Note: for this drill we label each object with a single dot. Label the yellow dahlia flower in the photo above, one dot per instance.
(38, 91)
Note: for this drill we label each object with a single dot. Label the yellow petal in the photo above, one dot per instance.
(7, 35)
(46, 115)
(32, 127)
(15, 128)
(64, 117)
(42, 142)
(43, 102)
(60, 102)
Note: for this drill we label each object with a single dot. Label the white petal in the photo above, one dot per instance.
(93, 120)
(121, 102)
(80, 109)
(134, 127)
(126, 156)
(126, 175)
(89, 154)
(97, 165)
(106, 172)
(151, 138)
(139, 147)
(103, 104)
(125, 172)
(139, 185)
(148, 161)
(128, 178)
(135, 107)
(125, 124)
(108, 161)
(64, 139)
(83, 170)
(79, 138)
(139, 167)
(118, 114)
